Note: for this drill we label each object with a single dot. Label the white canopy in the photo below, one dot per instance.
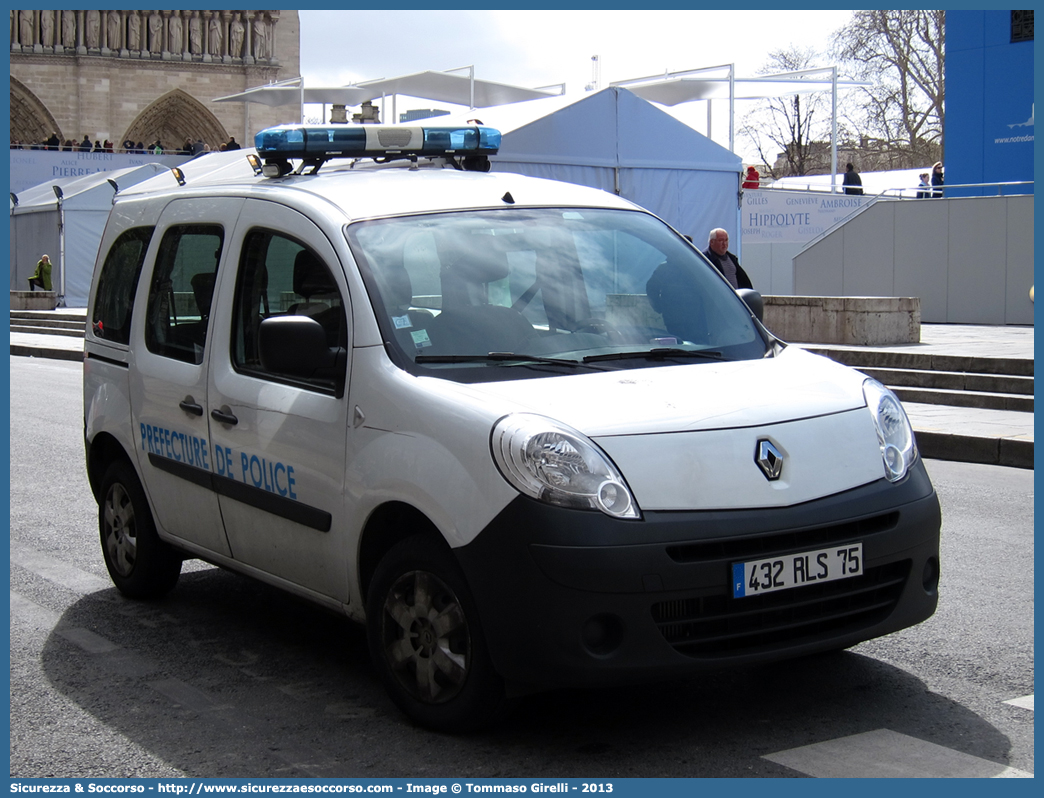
(460, 89)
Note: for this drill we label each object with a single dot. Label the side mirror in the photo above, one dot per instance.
(294, 345)
(754, 302)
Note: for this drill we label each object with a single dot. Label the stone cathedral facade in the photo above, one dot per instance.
(147, 75)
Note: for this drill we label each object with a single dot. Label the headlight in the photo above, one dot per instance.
(894, 433)
(559, 465)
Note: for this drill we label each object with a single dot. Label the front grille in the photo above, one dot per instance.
(754, 546)
(721, 625)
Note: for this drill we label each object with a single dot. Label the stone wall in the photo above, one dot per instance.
(853, 321)
(143, 75)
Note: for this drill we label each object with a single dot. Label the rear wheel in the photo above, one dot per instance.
(426, 641)
(139, 563)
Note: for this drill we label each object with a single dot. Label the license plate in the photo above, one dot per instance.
(794, 570)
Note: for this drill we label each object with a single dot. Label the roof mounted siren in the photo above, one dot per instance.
(466, 148)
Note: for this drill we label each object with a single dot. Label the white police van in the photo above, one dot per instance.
(521, 429)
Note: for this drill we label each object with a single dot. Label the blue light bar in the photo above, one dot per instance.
(322, 142)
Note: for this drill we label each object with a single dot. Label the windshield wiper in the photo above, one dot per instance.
(502, 357)
(657, 354)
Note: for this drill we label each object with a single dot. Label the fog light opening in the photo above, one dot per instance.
(602, 634)
(930, 577)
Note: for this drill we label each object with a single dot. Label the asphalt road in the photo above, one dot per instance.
(230, 678)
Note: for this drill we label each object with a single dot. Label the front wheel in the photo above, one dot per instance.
(426, 642)
(140, 564)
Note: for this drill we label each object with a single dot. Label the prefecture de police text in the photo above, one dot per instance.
(274, 477)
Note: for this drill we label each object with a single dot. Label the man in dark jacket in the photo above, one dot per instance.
(717, 252)
(852, 182)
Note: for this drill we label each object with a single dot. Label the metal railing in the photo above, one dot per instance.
(908, 192)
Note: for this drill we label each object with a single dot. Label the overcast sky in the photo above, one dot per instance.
(540, 48)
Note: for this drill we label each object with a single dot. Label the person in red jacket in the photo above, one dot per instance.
(753, 179)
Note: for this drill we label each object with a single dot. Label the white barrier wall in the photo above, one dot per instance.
(969, 259)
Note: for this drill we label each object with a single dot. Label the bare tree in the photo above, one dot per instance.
(899, 118)
(788, 132)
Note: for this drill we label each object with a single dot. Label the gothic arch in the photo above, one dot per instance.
(174, 118)
(31, 122)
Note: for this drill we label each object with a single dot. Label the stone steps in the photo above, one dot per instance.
(990, 383)
(49, 322)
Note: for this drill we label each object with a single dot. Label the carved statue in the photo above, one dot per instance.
(260, 38)
(235, 38)
(114, 25)
(47, 28)
(26, 27)
(176, 34)
(215, 35)
(134, 31)
(195, 34)
(93, 28)
(69, 28)
(155, 33)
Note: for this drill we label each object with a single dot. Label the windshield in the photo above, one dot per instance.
(557, 288)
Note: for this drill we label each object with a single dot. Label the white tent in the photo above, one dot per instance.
(618, 142)
(68, 230)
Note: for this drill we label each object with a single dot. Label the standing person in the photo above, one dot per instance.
(85, 145)
(717, 252)
(937, 179)
(232, 144)
(924, 187)
(42, 276)
(753, 178)
(853, 183)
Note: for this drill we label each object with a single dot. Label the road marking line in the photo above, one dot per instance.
(186, 695)
(1026, 702)
(31, 613)
(54, 570)
(87, 640)
(883, 753)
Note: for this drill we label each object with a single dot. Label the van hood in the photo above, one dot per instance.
(698, 396)
(690, 437)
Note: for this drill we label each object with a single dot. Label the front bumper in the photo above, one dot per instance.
(573, 598)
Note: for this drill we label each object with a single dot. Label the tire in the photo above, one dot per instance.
(140, 564)
(426, 642)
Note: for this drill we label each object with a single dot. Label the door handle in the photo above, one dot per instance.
(223, 417)
(189, 406)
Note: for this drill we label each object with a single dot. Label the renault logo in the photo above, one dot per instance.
(769, 460)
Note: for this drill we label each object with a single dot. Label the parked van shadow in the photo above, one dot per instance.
(227, 677)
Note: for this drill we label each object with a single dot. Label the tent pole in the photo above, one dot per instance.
(61, 248)
(732, 107)
(833, 128)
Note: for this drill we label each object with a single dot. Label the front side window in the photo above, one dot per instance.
(181, 291)
(279, 276)
(476, 292)
(118, 284)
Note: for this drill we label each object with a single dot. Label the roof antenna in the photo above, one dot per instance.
(508, 198)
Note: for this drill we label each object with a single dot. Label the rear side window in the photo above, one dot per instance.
(118, 284)
(181, 291)
(279, 276)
